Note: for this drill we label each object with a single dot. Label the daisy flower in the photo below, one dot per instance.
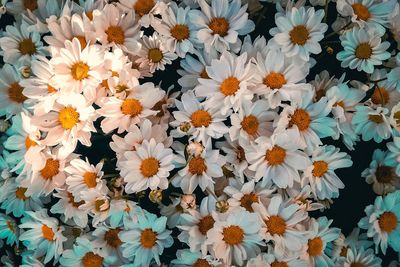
(309, 119)
(372, 123)
(108, 240)
(83, 254)
(279, 78)
(302, 196)
(121, 113)
(228, 86)
(299, 31)
(235, 238)
(394, 74)
(19, 44)
(382, 221)
(198, 120)
(325, 184)
(252, 120)
(361, 256)
(277, 159)
(394, 152)
(8, 229)
(272, 259)
(323, 82)
(69, 121)
(96, 203)
(384, 93)
(394, 118)
(83, 176)
(146, 239)
(174, 26)
(187, 258)
(280, 223)
(113, 27)
(173, 212)
(144, 9)
(147, 167)
(354, 240)
(218, 26)
(367, 13)
(154, 53)
(43, 235)
(78, 69)
(199, 170)
(382, 173)
(362, 50)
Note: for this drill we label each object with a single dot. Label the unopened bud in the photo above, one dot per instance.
(4, 125)
(26, 71)
(185, 126)
(188, 202)
(194, 149)
(155, 196)
(222, 206)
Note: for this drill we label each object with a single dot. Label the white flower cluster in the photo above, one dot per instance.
(102, 165)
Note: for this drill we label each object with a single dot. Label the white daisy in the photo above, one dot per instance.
(107, 239)
(96, 203)
(8, 229)
(384, 92)
(187, 258)
(144, 9)
(364, 257)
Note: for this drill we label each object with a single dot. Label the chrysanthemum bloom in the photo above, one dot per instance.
(228, 83)
(107, 238)
(279, 78)
(271, 258)
(354, 240)
(43, 235)
(382, 173)
(146, 239)
(235, 238)
(19, 44)
(277, 160)
(96, 203)
(384, 92)
(144, 9)
(147, 167)
(360, 257)
(299, 31)
(280, 224)
(383, 222)
(8, 229)
(325, 184)
(218, 26)
(362, 50)
(187, 258)
(394, 152)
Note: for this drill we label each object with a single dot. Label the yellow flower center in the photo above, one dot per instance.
(149, 167)
(378, 119)
(115, 34)
(29, 143)
(200, 118)
(90, 179)
(275, 155)
(30, 4)
(143, 7)
(219, 26)
(112, 238)
(380, 96)
(68, 117)
(131, 107)
(47, 233)
(92, 260)
(233, 235)
(20, 193)
(15, 93)
(276, 225)
(82, 41)
(364, 51)
(299, 35)
(155, 55)
(80, 71)
(230, 86)
(50, 169)
(180, 32)
(205, 224)
(148, 238)
(279, 264)
(361, 11)
(320, 168)
(197, 165)
(27, 47)
(315, 246)
(247, 200)
(250, 124)
(301, 119)
(387, 221)
(274, 80)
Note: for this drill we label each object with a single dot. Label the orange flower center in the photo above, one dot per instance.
(47, 233)
(197, 165)
(274, 80)
(89, 14)
(148, 238)
(219, 26)
(149, 167)
(112, 238)
(299, 35)
(233, 235)
(315, 246)
(339, 103)
(71, 200)
(51, 89)
(275, 155)
(204, 74)
(276, 225)
(387, 221)
(82, 41)
(51, 169)
(30, 4)
(92, 260)
(159, 107)
(68, 117)
(205, 224)
(155, 55)
(363, 51)
(180, 32)
(380, 96)
(27, 47)
(115, 34)
(98, 204)
(29, 143)
(378, 119)
(240, 155)
(200, 118)
(301, 119)
(385, 174)
(361, 11)
(15, 93)
(201, 263)
(343, 252)
(143, 7)
(319, 94)
(20, 193)
(80, 71)
(247, 200)
(279, 264)
(11, 226)
(131, 107)
(250, 124)
(357, 264)
(320, 168)
(230, 86)
(90, 179)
